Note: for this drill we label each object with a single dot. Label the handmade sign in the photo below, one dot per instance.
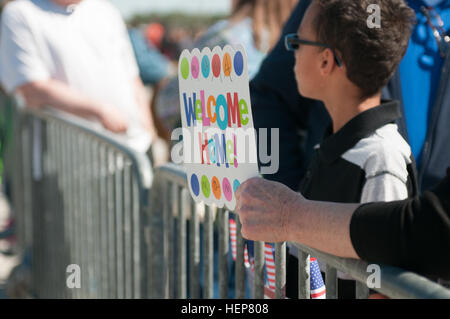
(219, 142)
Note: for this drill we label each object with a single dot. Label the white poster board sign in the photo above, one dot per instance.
(219, 140)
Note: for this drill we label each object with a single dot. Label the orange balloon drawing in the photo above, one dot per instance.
(227, 66)
(216, 187)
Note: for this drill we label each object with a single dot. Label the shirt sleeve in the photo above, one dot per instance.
(20, 61)
(385, 187)
(386, 173)
(413, 234)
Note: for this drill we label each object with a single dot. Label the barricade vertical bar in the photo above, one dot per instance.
(280, 270)
(90, 253)
(24, 147)
(73, 203)
(166, 237)
(224, 235)
(138, 253)
(65, 193)
(46, 162)
(362, 291)
(172, 242)
(61, 252)
(95, 212)
(79, 215)
(331, 282)
(103, 225)
(112, 270)
(67, 207)
(240, 267)
(48, 212)
(118, 177)
(259, 269)
(194, 252)
(86, 248)
(28, 143)
(62, 249)
(17, 161)
(303, 276)
(184, 211)
(208, 254)
(128, 239)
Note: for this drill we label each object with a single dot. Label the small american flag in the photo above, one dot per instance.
(317, 286)
(269, 257)
(318, 290)
(233, 237)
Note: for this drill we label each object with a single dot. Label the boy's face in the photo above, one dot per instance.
(308, 59)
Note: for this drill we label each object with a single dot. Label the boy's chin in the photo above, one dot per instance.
(305, 93)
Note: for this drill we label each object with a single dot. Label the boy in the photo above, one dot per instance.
(343, 61)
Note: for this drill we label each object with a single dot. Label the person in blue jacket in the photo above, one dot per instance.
(421, 83)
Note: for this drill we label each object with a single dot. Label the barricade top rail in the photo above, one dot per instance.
(395, 282)
(140, 161)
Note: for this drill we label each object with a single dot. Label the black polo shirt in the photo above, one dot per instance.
(367, 160)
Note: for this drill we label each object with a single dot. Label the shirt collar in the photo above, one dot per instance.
(359, 127)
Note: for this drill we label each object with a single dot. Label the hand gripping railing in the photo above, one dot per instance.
(173, 253)
(80, 198)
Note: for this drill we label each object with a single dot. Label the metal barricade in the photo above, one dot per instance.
(173, 253)
(80, 199)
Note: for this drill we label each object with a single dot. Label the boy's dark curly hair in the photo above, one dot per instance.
(370, 55)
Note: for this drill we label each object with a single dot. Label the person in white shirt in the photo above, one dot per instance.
(75, 56)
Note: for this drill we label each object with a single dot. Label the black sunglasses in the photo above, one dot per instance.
(292, 43)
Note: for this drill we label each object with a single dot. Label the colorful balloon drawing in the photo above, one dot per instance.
(195, 185)
(216, 187)
(227, 67)
(184, 67)
(238, 63)
(195, 67)
(216, 65)
(236, 185)
(205, 67)
(206, 188)
(227, 192)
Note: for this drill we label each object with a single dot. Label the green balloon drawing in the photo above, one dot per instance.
(184, 68)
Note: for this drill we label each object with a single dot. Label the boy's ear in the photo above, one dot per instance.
(327, 62)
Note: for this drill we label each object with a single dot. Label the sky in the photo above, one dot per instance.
(130, 7)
